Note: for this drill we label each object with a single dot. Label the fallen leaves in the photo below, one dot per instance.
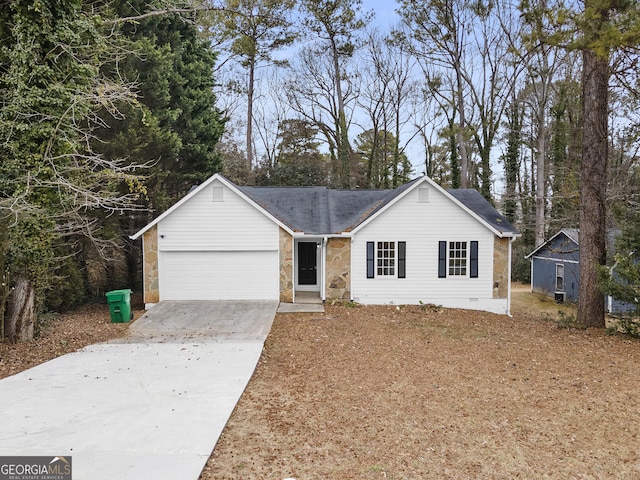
(61, 334)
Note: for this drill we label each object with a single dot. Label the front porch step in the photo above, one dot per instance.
(300, 308)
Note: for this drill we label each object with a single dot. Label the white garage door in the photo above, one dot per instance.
(245, 275)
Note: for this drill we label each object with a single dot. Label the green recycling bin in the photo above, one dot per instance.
(119, 305)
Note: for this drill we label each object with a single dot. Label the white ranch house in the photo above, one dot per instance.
(417, 243)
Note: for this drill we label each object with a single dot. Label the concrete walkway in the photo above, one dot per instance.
(150, 406)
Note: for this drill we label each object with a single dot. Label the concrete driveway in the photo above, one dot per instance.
(148, 406)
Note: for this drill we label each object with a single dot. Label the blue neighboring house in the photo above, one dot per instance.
(555, 268)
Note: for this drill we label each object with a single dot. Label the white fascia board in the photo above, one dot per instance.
(195, 191)
(299, 235)
(431, 183)
(554, 260)
(175, 206)
(392, 202)
(232, 186)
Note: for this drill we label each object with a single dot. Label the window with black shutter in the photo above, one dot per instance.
(370, 259)
(442, 259)
(473, 260)
(457, 259)
(386, 259)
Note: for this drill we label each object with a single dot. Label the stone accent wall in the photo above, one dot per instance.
(501, 267)
(150, 266)
(286, 267)
(338, 271)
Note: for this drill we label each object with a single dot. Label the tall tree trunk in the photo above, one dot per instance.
(593, 184)
(454, 158)
(460, 137)
(540, 171)
(485, 175)
(511, 164)
(344, 149)
(397, 180)
(20, 322)
(250, 90)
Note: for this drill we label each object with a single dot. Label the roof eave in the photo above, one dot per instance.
(379, 210)
(195, 191)
(543, 244)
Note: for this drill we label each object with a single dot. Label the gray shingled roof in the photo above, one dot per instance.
(316, 210)
(320, 210)
(474, 201)
(573, 234)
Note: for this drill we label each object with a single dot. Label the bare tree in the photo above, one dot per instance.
(387, 93)
(438, 33)
(311, 93)
(336, 22)
(256, 28)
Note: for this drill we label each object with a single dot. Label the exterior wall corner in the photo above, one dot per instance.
(150, 265)
(338, 269)
(501, 278)
(286, 266)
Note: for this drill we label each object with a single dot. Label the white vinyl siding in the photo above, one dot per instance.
(423, 225)
(203, 224)
(218, 246)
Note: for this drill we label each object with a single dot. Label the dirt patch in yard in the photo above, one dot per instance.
(418, 393)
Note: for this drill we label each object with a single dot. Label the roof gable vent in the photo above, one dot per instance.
(218, 193)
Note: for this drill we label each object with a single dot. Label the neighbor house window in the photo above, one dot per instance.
(386, 259)
(458, 259)
(559, 278)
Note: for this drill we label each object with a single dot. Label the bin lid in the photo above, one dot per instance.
(114, 294)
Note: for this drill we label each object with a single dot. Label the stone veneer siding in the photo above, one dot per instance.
(286, 267)
(501, 267)
(338, 272)
(150, 265)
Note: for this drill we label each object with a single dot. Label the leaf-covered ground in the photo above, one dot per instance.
(60, 334)
(422, 393)
(391, 392)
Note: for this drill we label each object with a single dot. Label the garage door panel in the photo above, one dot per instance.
(246, 275)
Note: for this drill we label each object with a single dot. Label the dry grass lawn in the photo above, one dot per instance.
(420, 393)
(415, 393)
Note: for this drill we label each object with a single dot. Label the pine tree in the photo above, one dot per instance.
(175, 124)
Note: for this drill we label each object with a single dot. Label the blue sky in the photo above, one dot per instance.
(384, 11)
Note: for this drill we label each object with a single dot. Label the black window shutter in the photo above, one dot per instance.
(402, 259)
(473, 268)
(442, 259)
(370, 260)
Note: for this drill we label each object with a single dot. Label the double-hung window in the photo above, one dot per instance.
(458, 259)
(386, 259)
